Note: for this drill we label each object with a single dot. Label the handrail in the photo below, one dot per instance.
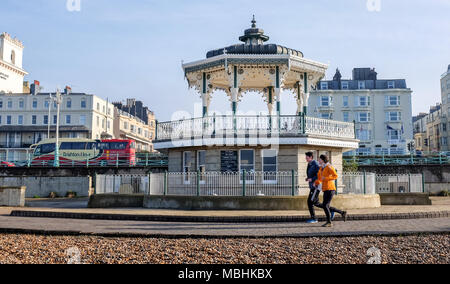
(105, 160)
(253, 124)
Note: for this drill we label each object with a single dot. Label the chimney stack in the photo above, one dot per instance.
(35, 88)
(68, 90)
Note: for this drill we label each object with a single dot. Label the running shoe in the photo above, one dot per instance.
(344, 216)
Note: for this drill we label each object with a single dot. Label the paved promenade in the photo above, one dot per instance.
(430, 224)
(105, 227)
(79, 206)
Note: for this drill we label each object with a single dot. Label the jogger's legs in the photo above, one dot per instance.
(327, 198)
(313, 202)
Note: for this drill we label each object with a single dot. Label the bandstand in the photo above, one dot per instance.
(259, 146)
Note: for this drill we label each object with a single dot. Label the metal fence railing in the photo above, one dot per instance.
(439, 159)
(371, 183)
(225, 184)
(121, 184)
(249, 184)
(359, 183)
(264, 126)
(105, 160)
(412, 183)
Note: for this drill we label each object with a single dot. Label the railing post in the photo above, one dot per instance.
(149, 184)
(257, 125)
(423, 182)
(279, 123)
(214, 124)
(117, 160)
(409, 182)
(146, 160)
(365, 182)
(293, 182)
(270, 124)
(244, 177)
(87, 163)
(94, 183)
(29, 160)
(165, 183)
(304, 123)
(198, 183)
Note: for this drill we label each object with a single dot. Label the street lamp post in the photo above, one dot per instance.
(58, 101)
(49, 115)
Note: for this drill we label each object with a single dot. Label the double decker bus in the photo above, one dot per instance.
(80, 152)
(118, 150)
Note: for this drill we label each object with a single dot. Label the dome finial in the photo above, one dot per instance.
(253, 22)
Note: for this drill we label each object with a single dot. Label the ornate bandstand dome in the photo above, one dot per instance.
(255, 66)
(254, 39)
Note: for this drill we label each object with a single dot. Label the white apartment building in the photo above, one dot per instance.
(25, 120)
(381, 109)
(445, 126)
(11, 71)
(127, 126)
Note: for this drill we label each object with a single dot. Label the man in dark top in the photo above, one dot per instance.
(313, 198)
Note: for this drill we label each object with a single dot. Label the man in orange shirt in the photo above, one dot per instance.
(326, 179)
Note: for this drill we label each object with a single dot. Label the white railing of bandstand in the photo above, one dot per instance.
(253, 125)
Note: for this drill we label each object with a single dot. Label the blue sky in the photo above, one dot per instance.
(117, 49)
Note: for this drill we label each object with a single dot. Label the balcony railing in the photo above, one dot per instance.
(214, 126)
(13, 145)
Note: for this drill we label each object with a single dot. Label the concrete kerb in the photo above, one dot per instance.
(219, 219)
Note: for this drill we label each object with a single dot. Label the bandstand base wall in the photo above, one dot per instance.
(297, 203)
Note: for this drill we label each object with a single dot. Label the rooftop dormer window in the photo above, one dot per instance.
(344, 85)
(361, 85)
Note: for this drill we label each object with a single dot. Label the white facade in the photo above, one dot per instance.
(24, 120)
(11, 71)
(445, 94)
(383, 117)
(127, 126)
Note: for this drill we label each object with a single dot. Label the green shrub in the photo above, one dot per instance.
(350, 166)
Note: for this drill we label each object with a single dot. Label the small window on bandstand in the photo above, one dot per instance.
(201, 165)
(187, 163)
(270, 166)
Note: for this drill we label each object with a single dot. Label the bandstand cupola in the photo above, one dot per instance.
(255, 66)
